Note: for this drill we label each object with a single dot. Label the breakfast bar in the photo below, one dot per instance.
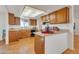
(51, 43)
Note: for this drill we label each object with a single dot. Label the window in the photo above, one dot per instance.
(24, 23)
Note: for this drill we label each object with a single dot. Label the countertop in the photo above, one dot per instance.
(48, 34)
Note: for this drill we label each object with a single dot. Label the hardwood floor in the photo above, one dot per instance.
(76, 46)
(23, 46)
(26, 46)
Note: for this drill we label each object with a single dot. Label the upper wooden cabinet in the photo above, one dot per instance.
(11, 19)
(52, 18)
(58, 17)
(17, 20)
(43, 18)
(62, 15)
(33, 22)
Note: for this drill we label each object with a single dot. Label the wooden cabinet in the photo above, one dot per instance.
(39, 45)
(17, 21)
(58, 17)
(52, 18)
(20, 34)
(62, 15)
(23, 34)
(13, 36)
(43, 18)
(11, 19)
(33, 22)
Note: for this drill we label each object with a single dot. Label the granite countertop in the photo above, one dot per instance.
(48, 34)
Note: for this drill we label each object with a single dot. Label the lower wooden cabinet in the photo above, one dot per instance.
(20, 34)
(39, 45)
(13, 36)
(24, 33)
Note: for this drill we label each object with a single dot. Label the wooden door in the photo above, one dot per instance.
(11, 19)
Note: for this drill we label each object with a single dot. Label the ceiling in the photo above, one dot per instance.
(48, 8)
(2, 9)
(16, 9)
(31, 12)
(45, 8)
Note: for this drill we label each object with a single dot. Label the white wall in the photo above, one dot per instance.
(76, 19)
(1, 24)
(4, 22)
(6, 26)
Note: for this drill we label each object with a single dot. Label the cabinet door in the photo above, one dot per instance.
(52, 18)
(39, 45)
(62, 16)
(43, 18)
(17, 20)
(12, 36)
(33, 22)
(11, 19)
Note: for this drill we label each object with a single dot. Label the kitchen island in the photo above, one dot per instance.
(55, 43)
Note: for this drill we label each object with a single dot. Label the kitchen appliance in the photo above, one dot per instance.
(32, 32)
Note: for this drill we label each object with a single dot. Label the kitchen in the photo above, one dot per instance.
(41, 22)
